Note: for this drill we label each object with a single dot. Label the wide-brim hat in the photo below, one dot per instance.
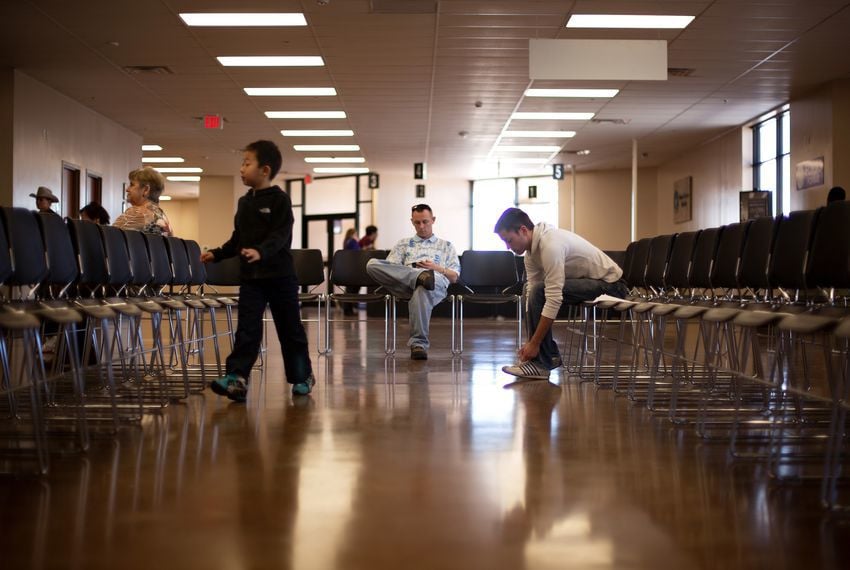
(45, 192)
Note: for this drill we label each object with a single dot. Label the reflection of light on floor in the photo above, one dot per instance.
(326, 481)
(497, 434)
(491, 405)
(568, 545)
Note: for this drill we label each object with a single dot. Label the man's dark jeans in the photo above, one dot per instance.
(576, 291)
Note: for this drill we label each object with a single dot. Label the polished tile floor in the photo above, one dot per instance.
(395, 464)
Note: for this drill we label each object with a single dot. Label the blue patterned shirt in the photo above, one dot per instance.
(411, 250)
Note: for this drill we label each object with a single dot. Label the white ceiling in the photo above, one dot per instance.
(408, 73)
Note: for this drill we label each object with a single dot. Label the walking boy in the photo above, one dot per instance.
(262, 237)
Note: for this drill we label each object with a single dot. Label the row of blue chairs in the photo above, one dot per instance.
(123, 315)
(758, 355)
(486, 277)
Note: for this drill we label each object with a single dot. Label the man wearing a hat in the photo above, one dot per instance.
(44, 198)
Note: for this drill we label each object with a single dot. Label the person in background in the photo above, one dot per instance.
(44, 200)
(350, 242)
(368, 240)
(262, 238)
(94, 212)
(836, 194)
(419, 268)
(561, 267)
(144, 213)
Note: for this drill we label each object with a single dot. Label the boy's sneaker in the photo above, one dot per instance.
(527, 370)
(305, 387)
(232, 386)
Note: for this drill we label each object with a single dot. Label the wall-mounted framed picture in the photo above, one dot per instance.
(682, 200)
(809, 173)
(756, 204)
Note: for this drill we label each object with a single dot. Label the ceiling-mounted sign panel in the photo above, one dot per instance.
(597, 59)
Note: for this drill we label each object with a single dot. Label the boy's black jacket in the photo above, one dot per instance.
(263, 222)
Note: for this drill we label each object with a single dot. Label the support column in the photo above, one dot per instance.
(633, 228)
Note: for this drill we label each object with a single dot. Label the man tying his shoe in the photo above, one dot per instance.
(561, 267)
(419, 268)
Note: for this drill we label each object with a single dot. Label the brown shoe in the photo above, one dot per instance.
(426, 280)
(418, 353)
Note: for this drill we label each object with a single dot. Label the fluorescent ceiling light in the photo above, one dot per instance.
(575, 93)
(150, 147)
(165, 198)
(162, 159)
(318, 133)
(337, 159)
(184, 178)
(290, 91)
(272, 61)
(525, 148)
(309, 147)
(554, 116)
(539, 134)
(267, 19)
(340, 170)
(179, 169)
(628, 21)
(524, 160)
(305, 114)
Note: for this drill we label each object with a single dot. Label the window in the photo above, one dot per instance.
(772, 159)
(492, 197)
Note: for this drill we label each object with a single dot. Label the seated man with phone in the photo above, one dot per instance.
(421, 268)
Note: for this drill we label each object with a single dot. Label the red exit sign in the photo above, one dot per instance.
(213, 122)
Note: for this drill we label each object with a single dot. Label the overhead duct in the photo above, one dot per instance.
(617, 60)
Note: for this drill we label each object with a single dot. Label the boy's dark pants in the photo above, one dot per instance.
(281, 295)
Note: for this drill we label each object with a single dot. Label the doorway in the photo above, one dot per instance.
(70, 206)
(326, 232)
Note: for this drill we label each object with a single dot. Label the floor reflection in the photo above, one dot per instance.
(393, 463)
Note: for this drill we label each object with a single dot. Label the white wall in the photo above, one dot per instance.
(813, 132)
(7, 98)
(603, 205)
(183, 215)
(216, 207)
(49, 128)
(716, 168)
(448, 198)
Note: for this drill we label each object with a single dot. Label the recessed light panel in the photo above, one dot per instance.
(573, 93)
(527, 148)
(151, 147)
(318, 133)
(539, 134)
(172, 159)
(628, 21)
(524, 160)
(244, 19)
(326, 147)
(290, 91)
(184, 178)
(340, 170)
(272, 61)
(179, 169)
(335, 159)
(553, 116)
(305, 114)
